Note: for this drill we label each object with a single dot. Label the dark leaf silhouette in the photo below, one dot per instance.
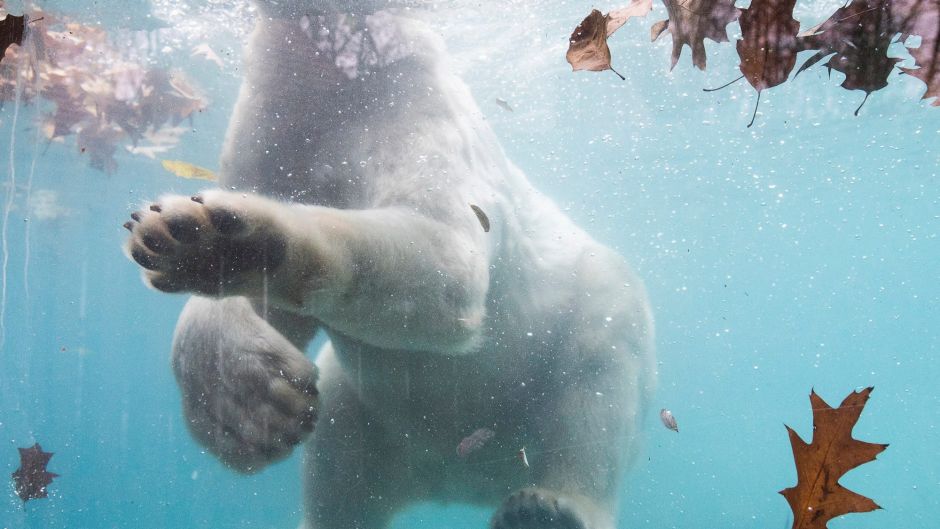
(31, 479)
(922, 18)
(855, 40)
(692, 21)
(587, 47)
(818, 497)
(859, 34)
(11, 32)
(768, 46)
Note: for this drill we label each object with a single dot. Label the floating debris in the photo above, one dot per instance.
(503, 104)
(668, 420)
(11, 32)
(31, 479)
(187, 170)
(522, 457)
(203, 50)
(97, 90)
(484, 220)
(474, 441)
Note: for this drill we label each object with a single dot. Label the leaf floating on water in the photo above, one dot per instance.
(669, 421)
(474, 441)
(587, 46)
(768, 44)
(922, 18)
(692, 21)
(32, 478)
(484, 220)
(189, 171)
(818, 497)
(11, 32)
(859, 34)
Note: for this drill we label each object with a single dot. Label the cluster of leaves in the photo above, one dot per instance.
(855, 38)
(99, 93)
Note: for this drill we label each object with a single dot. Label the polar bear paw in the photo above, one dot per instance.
(533, 508)
(249, 395)
(215, 243)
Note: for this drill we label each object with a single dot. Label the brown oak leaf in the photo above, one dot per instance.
(922, 18)
(32, 478)
(692, 21)
(859, 34)
(587, 47)
(818, 497)
(768, 45)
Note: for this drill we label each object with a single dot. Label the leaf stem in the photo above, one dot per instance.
(622, 78)
(723, 86)
(863, 102)
(754, 116)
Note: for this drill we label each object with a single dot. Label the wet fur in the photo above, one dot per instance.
(351, 216)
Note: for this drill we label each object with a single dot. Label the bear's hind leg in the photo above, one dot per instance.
(356, 477)
(589, 427)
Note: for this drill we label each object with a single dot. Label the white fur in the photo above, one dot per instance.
(436, 328)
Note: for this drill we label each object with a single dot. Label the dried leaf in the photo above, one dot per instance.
(189, 171)
(818, 497)
(11, 32)
(692, 21)
(587, 46)
(618, 17)
(32, 478)
(859, 34)
(768, 45)
(922, 18)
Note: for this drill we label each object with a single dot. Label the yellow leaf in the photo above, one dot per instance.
(187, 170)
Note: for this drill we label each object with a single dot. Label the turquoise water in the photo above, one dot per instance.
(799, 253)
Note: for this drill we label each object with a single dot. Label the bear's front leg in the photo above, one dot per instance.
(372, 274)
(249, 394)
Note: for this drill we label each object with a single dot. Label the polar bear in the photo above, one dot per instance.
(348, 169)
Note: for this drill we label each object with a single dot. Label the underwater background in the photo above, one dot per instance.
(800, 253)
